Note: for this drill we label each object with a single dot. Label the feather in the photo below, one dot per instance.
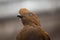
(32, 29)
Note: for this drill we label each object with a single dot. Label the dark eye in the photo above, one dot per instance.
(30, 14)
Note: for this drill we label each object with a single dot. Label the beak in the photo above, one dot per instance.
(19, 16)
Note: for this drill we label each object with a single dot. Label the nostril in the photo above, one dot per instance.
(19, 16)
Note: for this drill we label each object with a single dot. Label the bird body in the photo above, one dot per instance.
(32, 29)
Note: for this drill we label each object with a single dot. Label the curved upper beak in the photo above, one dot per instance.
(19, 16)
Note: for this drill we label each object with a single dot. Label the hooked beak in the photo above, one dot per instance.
(19, 16)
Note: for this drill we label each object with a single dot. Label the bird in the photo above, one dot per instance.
(32, 29)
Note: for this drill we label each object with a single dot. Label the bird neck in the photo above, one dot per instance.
(31, 25)
(27, 22)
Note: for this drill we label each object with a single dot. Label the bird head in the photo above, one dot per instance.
(28, 17)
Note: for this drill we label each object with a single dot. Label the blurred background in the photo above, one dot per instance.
(47, 10)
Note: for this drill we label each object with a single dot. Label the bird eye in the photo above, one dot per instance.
(30, 14)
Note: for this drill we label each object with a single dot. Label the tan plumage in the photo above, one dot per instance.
(32, 28)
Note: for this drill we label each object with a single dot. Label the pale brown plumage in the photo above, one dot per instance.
(32, 28)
